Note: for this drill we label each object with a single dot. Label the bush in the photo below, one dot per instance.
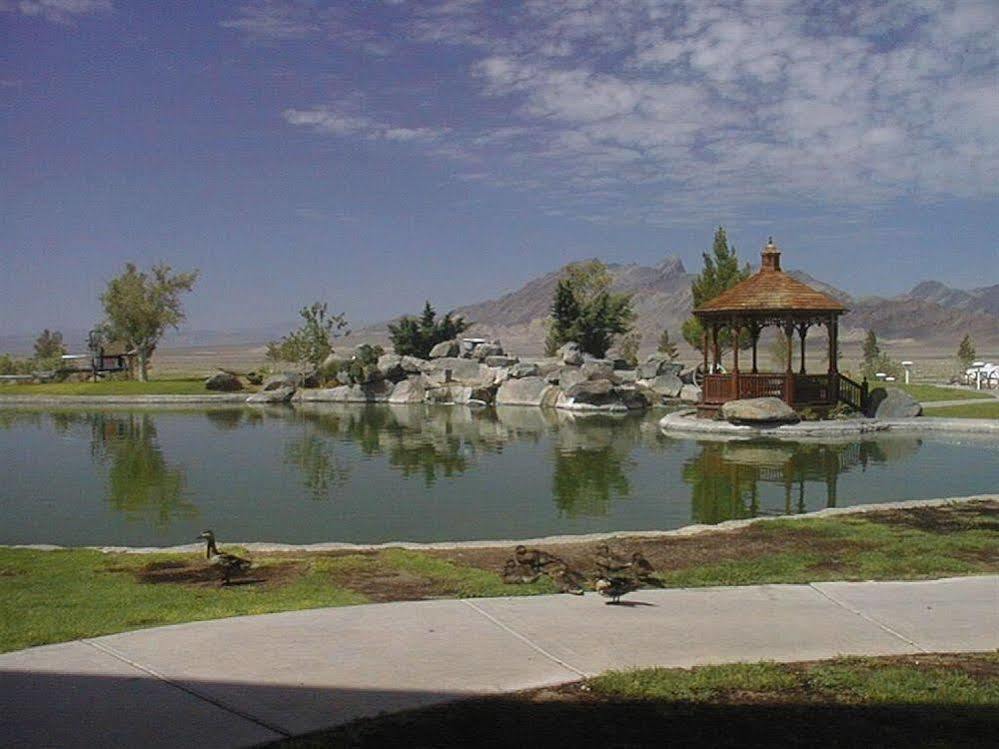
(416, 337)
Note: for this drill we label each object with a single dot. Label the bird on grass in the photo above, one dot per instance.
(615, 587)
(542, 563)
(565, 578)
(533, 558)
(642, 569)
(610, 563)
(227, 564)
(514, 572)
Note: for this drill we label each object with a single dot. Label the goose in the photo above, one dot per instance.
(610, 563)
(514, 573)
(533, 558)
(615, 587)
(566, 578)
(228, 564)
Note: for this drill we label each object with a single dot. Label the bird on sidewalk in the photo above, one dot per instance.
(227, 564)
(615, 587)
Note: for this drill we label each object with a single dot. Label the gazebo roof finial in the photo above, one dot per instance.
(771, 257)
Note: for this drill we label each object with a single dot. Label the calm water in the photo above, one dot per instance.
(370, 474)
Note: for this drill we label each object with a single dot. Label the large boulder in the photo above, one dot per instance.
(274, 395)
(280, 381)
(569, 376)
(597, 369)
(690, 394)
(444, 349)
(893, 403)
(524, 369)
(570, 353)
(414, 364)
(390, 365)
(666, 385)
(483, 350)
(375, 392)
(462, 371)
(658, 364)
(224, 382)
(500, 361)
(601, 395)
(589, 389)
(407, 391)
(524, 391)
(759, 411)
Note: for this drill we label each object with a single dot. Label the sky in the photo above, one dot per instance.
(373, 154)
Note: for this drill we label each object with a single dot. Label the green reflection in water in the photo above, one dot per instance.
(725, 477)
(321, 467)
(140, 481)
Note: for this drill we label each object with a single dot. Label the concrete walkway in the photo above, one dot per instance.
(247, 680)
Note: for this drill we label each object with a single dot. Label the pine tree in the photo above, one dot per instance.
(666, 346)
(966, 352)
(585, 311)
(721, 272)
(871, 348)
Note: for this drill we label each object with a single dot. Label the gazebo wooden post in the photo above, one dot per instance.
(789, 372)
(716, 345)
(802, 332)
(704, 348)
(833, 354)
(736, 329)
(754, 332)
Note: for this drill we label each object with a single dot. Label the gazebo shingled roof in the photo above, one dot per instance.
(771, 289)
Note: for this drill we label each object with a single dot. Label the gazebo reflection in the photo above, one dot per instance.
(726, 477)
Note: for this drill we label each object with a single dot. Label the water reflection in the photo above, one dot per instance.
(140, 481)
(726, 478)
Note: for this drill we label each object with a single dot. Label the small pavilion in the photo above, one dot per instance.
(773, 298)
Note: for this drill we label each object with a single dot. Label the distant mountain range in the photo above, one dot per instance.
(930, 313)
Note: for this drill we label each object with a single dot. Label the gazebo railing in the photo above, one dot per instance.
(797, 389)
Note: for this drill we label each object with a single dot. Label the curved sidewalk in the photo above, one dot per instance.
(243, 681)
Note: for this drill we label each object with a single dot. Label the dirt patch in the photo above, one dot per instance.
(671, 553)
(380, 583)
(956, 518)
(202, 574)
(573, 715)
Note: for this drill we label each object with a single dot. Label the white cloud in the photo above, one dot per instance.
(689, 107)
(329, 121)
(274, 20)
(58, 11)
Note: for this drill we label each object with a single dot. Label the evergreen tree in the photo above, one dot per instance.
(585, 311)
(416, 337)
(721, 272)
(666, 346)
(966, 352)
(871, 348)
(49, 345)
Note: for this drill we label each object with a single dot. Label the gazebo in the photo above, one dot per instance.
(772, 297)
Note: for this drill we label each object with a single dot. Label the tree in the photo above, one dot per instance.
(629, 346)
(721, 272)
(585, 311)
(966, 352)
(49, 345)
(309, 345)
(871, 348)
(416, 337)
(778, 349)
(140, 306)
(877, 361)
(666, 345)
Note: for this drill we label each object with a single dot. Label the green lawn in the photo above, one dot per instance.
(925, 700)
(53, 596)
(978, 410)
(930, 393)
(187, 386)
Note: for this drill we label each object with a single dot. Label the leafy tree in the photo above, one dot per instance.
(721, 272)
(309, 346)
(584, 310)
(875, 360)
(966, 352)
(49, 345)
(416, 337)
(871, 348)
(140, 306)
(666, 345)
(10, 365)
(778, 350)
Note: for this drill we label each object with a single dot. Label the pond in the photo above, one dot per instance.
(372, 474)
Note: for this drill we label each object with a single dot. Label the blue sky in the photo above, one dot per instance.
(374, 154)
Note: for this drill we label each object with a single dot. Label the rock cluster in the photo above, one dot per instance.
(478, 373)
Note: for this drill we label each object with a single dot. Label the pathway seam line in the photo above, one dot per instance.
(525, 640)
(868, 618)
(189, 690)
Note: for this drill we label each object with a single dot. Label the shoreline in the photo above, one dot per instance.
(684, 531)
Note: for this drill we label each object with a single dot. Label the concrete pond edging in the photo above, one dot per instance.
(687, 530)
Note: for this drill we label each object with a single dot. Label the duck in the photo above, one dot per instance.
(615, 587)
(228, 564)
(610, 563)
(566, 579)
(533, 558)
(641, 567)
(514, 573)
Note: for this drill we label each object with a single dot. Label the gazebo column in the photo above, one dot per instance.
(789, 372)
(833, 354)
(754, 332)
(716, 346)
(704, 348)
(802, 332)
(736, 329)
